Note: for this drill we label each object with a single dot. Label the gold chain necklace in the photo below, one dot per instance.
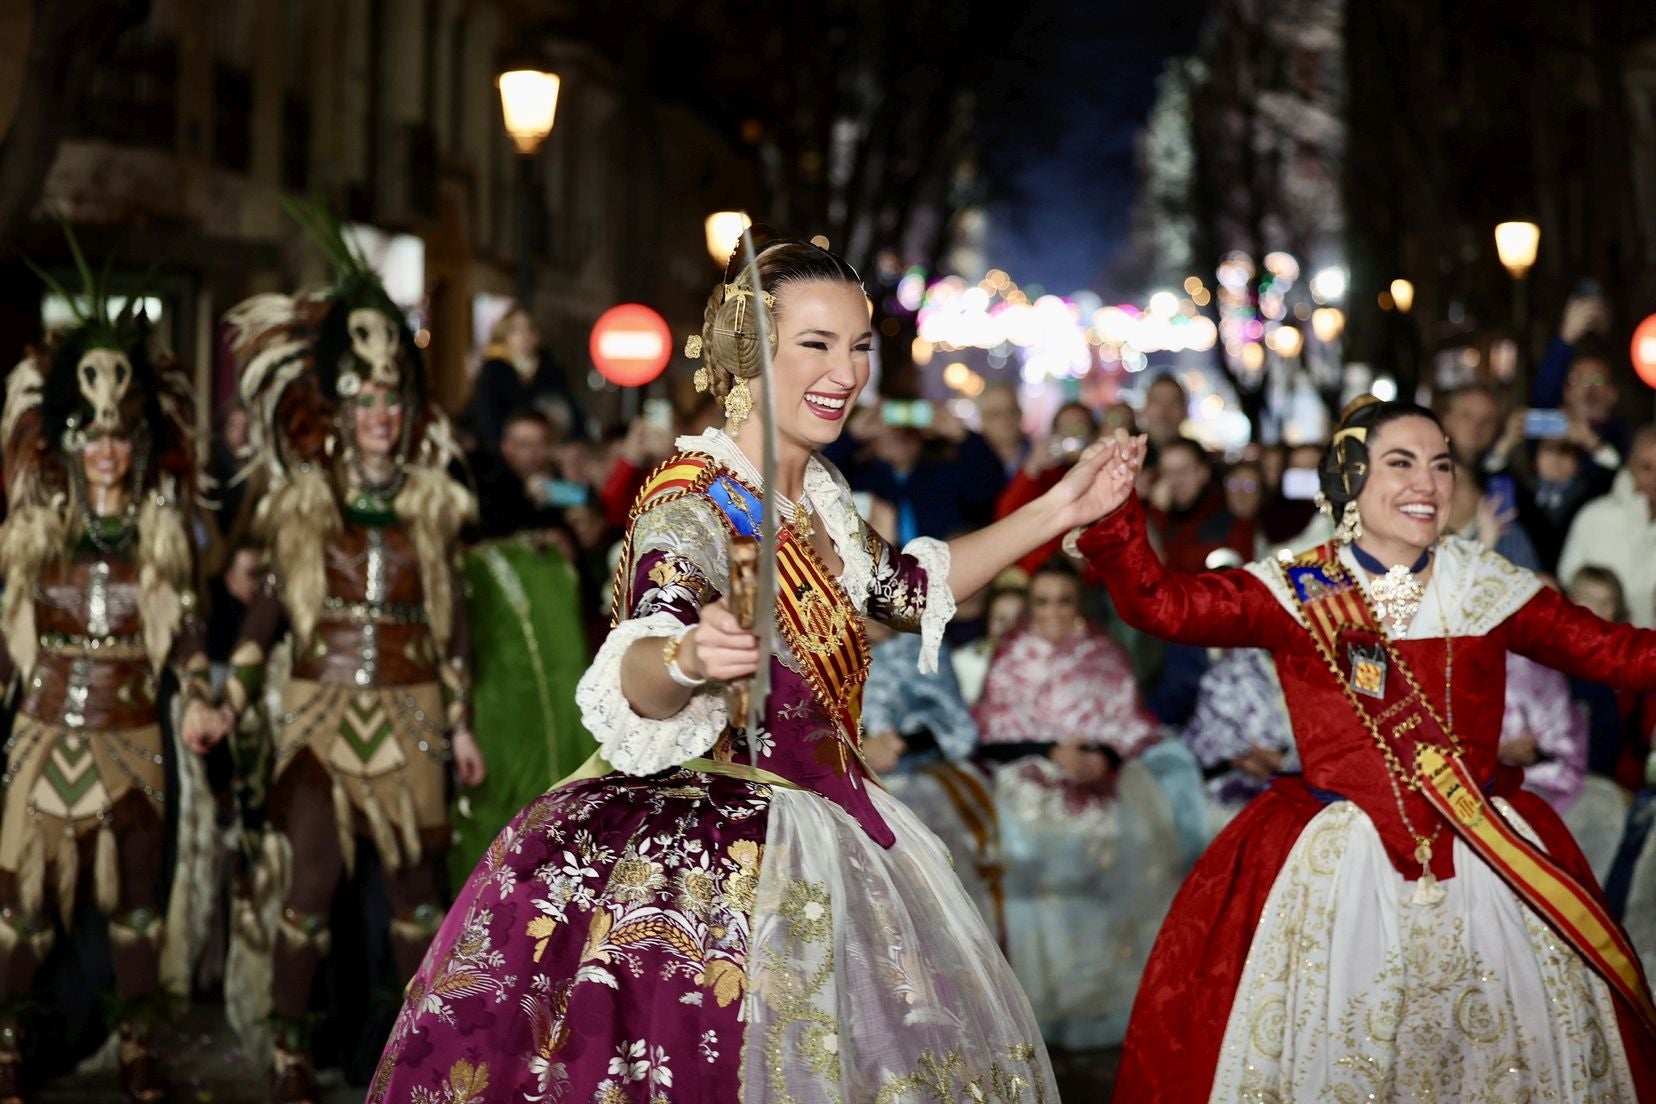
(1427, 890)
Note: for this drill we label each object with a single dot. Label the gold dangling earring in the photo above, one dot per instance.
(1351, 524)
(738, 404)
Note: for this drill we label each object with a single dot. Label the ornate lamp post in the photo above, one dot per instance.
(528, 104)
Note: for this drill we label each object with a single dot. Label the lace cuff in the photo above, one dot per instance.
(933, 557)
(640, 745)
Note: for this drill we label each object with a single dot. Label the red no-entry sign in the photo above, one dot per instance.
(1644, 350)
(631, 345)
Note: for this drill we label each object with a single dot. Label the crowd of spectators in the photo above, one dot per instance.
(1164, 742)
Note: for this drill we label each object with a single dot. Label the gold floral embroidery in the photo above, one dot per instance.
(809, 910)
(941, 1079)
(540, 930)
(726, 980)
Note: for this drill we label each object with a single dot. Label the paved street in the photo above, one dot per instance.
(209, 1068)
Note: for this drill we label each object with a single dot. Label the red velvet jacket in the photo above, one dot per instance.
(1339, 755)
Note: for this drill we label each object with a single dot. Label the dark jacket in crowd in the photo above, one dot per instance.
(499, 390)
(1187, 537)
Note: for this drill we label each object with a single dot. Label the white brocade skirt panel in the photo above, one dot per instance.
(871, 975)
(1353, 993)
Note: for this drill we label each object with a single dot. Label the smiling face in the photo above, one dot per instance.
(821, 362)
(1411, 483)
(378, 416)
(1054, 605)
(108, 460)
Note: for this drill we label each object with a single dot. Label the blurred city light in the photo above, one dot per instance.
(529, 102)
(1327, 323)
(1329, 285)
(1517, 242)
(1402, 293)
(723, 229)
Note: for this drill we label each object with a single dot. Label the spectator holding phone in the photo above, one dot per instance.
(648, 442)
(1477, 513)
(939, 476)
(519, 488)
(1073, 429)
(1577, 374)
(1291, 498)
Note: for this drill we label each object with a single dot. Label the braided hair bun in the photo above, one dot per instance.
(730, 326)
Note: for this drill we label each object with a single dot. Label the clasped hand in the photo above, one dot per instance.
(1101, 480)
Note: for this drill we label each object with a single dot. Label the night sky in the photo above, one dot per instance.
(1089, 72)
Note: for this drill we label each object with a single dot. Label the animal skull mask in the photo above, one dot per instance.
(375, 340)
(104, 376)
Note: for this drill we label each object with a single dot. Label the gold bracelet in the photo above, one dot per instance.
(669, 656)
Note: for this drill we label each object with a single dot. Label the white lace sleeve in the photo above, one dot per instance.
(933, 557)
(640, 745)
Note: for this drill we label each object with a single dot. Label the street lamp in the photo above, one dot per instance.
(1516, 243)
(722, 229)
(1402, 293)
(528, 105)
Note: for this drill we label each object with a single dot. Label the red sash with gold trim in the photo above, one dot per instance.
(1389, 702)
(813, 612)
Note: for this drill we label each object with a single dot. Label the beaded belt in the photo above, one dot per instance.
(76, 645)
(373, 613)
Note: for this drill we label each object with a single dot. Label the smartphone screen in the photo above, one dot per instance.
(1545, 424)
(561, 493)
(658, 414)
(908, 413)
(1300, 484)
(1505, 493)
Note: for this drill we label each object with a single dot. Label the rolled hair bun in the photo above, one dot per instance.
(1345, 462)
(730, 327)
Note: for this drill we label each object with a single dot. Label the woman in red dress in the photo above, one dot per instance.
(1402, 921)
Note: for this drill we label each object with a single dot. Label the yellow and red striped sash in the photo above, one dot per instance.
(813, 612)
(1388, 701)
(1566, 905)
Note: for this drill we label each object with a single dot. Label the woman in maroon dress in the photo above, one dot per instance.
(1402, 921)
(721, 915)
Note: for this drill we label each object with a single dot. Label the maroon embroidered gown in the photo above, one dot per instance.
(686, 927)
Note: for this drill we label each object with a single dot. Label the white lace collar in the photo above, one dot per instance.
(1474, 589)
(828, 495)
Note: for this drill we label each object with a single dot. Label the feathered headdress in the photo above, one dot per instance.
(302, 358)
(98, 377)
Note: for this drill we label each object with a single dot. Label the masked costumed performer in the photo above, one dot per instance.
(1402, 921)
(361, 519)
(100, 602)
